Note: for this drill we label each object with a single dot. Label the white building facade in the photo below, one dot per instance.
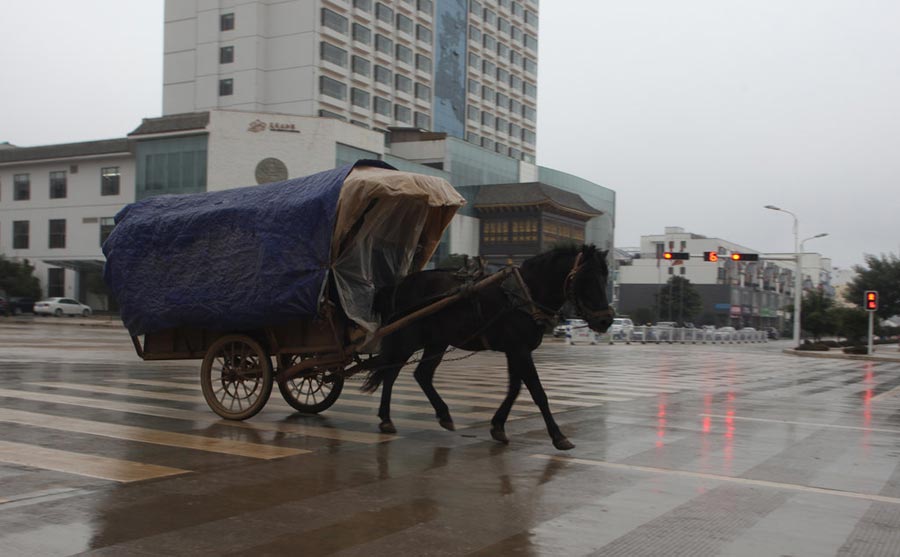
(464, 67)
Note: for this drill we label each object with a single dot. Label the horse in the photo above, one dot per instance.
(498, 317)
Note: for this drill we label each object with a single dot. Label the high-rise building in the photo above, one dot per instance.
(464, 67)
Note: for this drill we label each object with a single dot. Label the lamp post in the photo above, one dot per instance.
(798, 298)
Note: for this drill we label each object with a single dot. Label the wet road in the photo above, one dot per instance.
(681, 450)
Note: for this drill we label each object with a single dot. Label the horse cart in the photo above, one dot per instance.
(275, 283)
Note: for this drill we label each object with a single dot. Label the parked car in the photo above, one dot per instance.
(621, 328)
(772, 333)
(723, 333)
(61, 306)
(565, 328)
(18, 304)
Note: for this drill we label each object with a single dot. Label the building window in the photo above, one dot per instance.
(364, 5)
(109, 180)
(333, 54)
(330, 114)
(474, 86)
(361, 66)
(494, 232)
(334, 21)
(473, 137)
(384, 13)
(487, 93)
(474, 60)
(517, 9)
(524, 230)
(424, 6)
(489, 68)
(362, 33)
(515, 58)
(20, 234)
(402, 114)
(490, 43)
(474, 34)
(404, 54)
(58, 184)
(384, 44)
(472, 113)
(500, 148)
(106, 227)
(383, 75)
(423, 121)
(502, 51)
(423, 92)
(490, 17)
(226, 87)
(531, 42)
(531, 18)
(332, 88)
(515, 131)
(516, 34)
(515, 106)
(502, 125)
(382, 106)
(423, 34)
(57, 233)
(515, 82)
(226, 22)
(226, 55)
(502, 100)
(502, 75)
(475, 7)
(530, 90)
(21, 187)
(487, 119)
(404, 24)
(56, 282)
(423, 63)
(359, 98)
(528, 136)
(529, 65)
(172, 165)
(503, 25)
(529, 113)
(403, 83)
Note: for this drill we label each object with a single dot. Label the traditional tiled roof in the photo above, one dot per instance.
(64, 150)
(532, 193)
(173, 123)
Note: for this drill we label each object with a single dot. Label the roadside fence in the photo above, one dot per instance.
(680, 335)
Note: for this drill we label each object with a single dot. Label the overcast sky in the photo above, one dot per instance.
(697, 112)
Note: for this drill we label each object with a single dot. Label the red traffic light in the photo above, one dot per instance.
(871, 300)
(710, 256)
(676, 255)
(745, 256)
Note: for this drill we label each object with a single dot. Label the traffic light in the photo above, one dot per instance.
(871, 300)
(676, 255)
(710, 256)
(745, 256)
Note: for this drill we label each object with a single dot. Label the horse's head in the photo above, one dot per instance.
(585, 288)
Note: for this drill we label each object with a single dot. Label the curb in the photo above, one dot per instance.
(66, 322)
(842, 356)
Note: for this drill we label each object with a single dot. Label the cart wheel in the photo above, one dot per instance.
(236, 377)
(313, 393)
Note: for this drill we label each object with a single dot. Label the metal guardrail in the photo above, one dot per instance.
(680, 335)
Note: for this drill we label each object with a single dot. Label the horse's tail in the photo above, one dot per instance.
(374, 379)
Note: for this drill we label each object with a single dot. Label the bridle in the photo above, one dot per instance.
(569, 293)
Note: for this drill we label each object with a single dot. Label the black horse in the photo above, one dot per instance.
(499, 317)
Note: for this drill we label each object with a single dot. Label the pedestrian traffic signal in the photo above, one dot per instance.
(871, 300)
(745, 256)
(676, 255)
(710, 256)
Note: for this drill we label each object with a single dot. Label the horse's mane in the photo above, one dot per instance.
(550, 255)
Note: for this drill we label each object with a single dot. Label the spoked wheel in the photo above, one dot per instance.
(311, 393)
(236, 377)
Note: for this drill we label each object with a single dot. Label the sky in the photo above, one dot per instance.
(697, 113)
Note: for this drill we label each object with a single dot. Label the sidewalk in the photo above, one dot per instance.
(883, 353)
(112, 321)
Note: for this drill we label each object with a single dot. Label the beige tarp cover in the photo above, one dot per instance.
(388, 225)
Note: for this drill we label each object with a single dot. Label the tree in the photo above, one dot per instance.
(881, 274)
(678, 300)
(17, 278)
(815, 317)
(850, 323)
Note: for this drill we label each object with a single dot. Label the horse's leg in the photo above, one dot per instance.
(498, 422)
(424, 375)
(522, 364)
(389, 375)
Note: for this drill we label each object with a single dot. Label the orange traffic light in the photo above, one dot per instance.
(710, 256)
(676, 255)
(745, 256)
(871, 300)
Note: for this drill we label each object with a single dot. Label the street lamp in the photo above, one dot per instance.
(797, 281)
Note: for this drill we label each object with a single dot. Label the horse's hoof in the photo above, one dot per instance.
(499, 435)
(563, 444)
(387, 427)
(447, 423)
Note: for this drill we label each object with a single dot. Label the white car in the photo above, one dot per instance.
(61, 306)
(621, 328)
(723, 333)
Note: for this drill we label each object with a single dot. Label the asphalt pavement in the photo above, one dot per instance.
(734, 449)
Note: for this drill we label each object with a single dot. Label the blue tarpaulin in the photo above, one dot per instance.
(236, 259)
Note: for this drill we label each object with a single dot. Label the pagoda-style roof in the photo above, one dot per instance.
(173, 123)
(64, 150)
(533, 194)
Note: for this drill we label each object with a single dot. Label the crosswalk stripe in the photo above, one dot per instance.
(92, 466)
(145, 435)
(203, 417)
(115, 391)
